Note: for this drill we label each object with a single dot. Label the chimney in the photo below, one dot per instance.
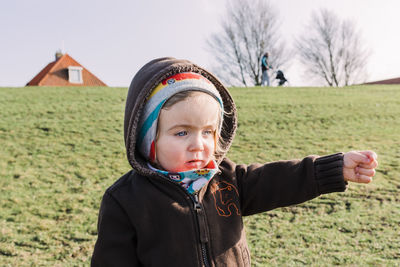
(58, 54)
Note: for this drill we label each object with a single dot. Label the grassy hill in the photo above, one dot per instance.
(62, 147)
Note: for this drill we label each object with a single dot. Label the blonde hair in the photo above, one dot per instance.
(219, 142)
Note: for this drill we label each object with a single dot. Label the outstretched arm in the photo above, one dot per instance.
(359, 166)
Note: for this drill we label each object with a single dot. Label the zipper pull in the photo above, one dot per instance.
(197, 205)
(202, 228)
(200, 218)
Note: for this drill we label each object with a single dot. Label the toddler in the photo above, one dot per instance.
(183, 201)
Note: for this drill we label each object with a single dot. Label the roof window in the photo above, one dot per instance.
(75, 74)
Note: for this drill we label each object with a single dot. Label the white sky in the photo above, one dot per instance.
(113, 39)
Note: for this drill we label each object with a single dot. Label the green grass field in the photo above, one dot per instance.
(60, 148)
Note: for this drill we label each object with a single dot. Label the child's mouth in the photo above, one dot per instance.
(194, 163)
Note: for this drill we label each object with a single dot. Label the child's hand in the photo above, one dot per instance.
(359, 166)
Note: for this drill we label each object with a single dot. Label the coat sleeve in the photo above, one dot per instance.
(116, 241)
(283, 183)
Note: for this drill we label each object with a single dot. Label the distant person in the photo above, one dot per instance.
(265, 66)
(183, 201)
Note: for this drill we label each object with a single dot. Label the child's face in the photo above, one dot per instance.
(187, 133)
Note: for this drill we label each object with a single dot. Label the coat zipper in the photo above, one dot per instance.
(203, 235)
(200, 221)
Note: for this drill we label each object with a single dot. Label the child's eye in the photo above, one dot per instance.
(181, 133)
(208, 132)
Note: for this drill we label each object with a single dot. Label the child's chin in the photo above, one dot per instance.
(183, 169)
(188, 168)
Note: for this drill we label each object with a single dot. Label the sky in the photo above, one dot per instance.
(114, 39)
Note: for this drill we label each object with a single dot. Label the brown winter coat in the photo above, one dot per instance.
(147, 220)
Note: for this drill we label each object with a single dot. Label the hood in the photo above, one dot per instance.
(145, 80)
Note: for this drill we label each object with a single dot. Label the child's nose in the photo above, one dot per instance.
(196, 143)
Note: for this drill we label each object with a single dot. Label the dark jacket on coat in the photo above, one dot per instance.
(146, 219)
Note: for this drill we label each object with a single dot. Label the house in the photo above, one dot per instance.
(65, 71)
(389, 81)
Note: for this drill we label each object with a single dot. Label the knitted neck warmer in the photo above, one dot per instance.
(186, 81)
(192, 180)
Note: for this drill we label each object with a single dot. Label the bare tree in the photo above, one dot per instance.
(332, 50)
(354, 55)
(248, 31)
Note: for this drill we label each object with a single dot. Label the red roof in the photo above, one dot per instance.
(389, 81)
(56, 74)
